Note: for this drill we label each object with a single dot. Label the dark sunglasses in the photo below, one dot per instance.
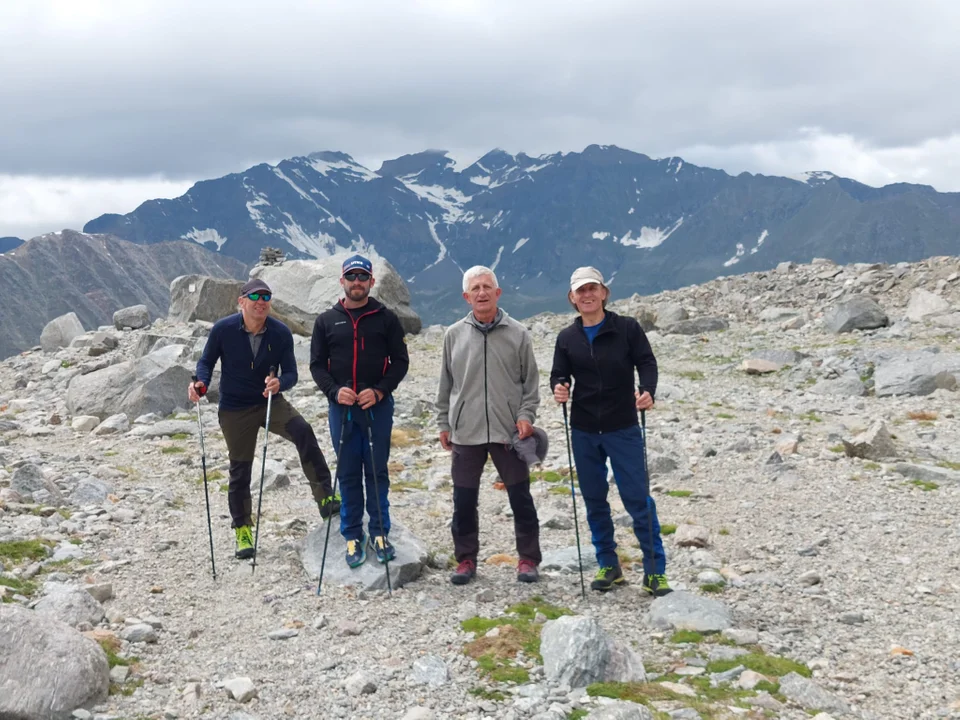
(361, 276)
(260, 296)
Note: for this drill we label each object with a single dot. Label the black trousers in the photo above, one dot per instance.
(240, 428)
(467, 467)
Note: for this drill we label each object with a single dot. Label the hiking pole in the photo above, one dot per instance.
(263, 470)
(203, 463)
(376, 490)
(573, 495)
(654, 584)
(336, 476)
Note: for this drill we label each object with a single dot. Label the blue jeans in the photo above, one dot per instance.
(354, 467)
(625, 450)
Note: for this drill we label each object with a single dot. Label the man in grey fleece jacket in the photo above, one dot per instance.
(489, 392)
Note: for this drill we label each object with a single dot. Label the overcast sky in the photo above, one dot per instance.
(106, 104)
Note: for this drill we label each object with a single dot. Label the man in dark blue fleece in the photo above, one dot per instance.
(247, 345)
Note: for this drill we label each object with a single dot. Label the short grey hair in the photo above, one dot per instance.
(475, 272)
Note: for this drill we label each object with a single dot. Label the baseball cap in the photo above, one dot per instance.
(255, 285)
(584, 275)
(356, 262)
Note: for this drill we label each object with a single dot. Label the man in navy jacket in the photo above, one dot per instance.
(248, 344)
(358, 357)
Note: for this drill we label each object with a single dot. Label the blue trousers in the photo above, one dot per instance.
(354, 468)
(625, 450)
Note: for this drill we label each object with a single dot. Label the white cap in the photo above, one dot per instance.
(585, 275)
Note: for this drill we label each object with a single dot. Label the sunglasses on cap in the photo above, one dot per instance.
(361, 276)
(259, 296)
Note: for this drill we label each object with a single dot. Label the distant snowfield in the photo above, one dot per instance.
(361, 173)
(204, 236)
(736, 257)
(763, 236)
(520, 243)
(649, 237)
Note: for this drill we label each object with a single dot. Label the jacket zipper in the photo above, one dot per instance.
(355, 330)
(596, 365)
(486, 408)
(456, 424)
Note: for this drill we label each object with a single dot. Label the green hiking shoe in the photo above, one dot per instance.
(606, 578)
(330, 506)
(656, 585)
(356, 552)
(244, 542)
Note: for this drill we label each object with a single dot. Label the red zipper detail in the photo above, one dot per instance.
(355, 324)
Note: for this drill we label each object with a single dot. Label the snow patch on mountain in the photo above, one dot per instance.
(496, 260)
(601, 235)
(354, 171)
(649, 237)
(763, 236)
(451, 200)
(736, 257)
(436, 238)
(481, 180)
(319, 245)
(520, 243)
(813, 177)
(204, 236)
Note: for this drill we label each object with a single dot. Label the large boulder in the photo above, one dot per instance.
(406, 567)
(133, 317)
(861, 312)
(47, 669)
(60, 331)
(308, 287)
(577, 652)
(915, 372)
(924, 303)
(154, 383)
(199, 297)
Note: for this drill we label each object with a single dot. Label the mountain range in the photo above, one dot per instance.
(93, 276)
(647, 224)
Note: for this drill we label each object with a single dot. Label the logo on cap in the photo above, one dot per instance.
(357, 262)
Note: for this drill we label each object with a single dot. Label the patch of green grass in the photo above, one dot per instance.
(712, 587)
(559, 490)
(679, 493)
(811, 416)
(22, 587)
(762, 663)
(19, 550)
(577, 714)
(836, 448)
(407, 485)
(127, 689)
(871, 466)
(111, 453)
(528, 610)
(484, 694)
(550, 476)
(65, 363)
(723, 531)
(180, 436)
(215, 475)
(172, 449)
(497, 671)
(925, 485)
(686, 636)
(667, 529)
(725, 416)
(715, 404)
(949, 465)
(692, 374)
(223, 487)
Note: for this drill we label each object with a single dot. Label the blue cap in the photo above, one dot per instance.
(357, 262)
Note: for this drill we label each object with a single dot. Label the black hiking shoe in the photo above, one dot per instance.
(330, 506)
(656, 585)
(606, 578)
(382, 547)
(356, 552)
(465, 572)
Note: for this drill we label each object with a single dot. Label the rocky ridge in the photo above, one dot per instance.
(805, 471)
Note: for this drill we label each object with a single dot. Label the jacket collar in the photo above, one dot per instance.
(609, 322)
(373, 305)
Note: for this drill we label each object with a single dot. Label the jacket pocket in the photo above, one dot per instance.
(456, 423)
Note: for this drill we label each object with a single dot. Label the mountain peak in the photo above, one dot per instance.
(432, 161)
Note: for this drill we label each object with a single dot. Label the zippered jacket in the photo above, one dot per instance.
(369, 352)
(489, 380)
(602, 373)
(241, 374)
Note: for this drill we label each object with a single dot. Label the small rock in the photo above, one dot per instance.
(810, 577)
(360, 683)
(283, 634)
(240, 689)
(852, 618)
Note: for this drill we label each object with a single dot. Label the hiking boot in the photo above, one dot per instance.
(527, 571)
(606, 578)
(330, 506)
(356, 552)
(464, 573)
(656, 585)
(382, 547)
(244, 542)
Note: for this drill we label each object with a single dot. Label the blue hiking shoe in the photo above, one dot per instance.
(382, 548)
(356, 552)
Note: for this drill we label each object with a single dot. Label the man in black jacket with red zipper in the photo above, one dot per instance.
(358, 357)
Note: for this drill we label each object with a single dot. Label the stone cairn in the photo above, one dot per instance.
(272, 256)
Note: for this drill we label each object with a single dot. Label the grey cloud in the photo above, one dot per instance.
(197, 90)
